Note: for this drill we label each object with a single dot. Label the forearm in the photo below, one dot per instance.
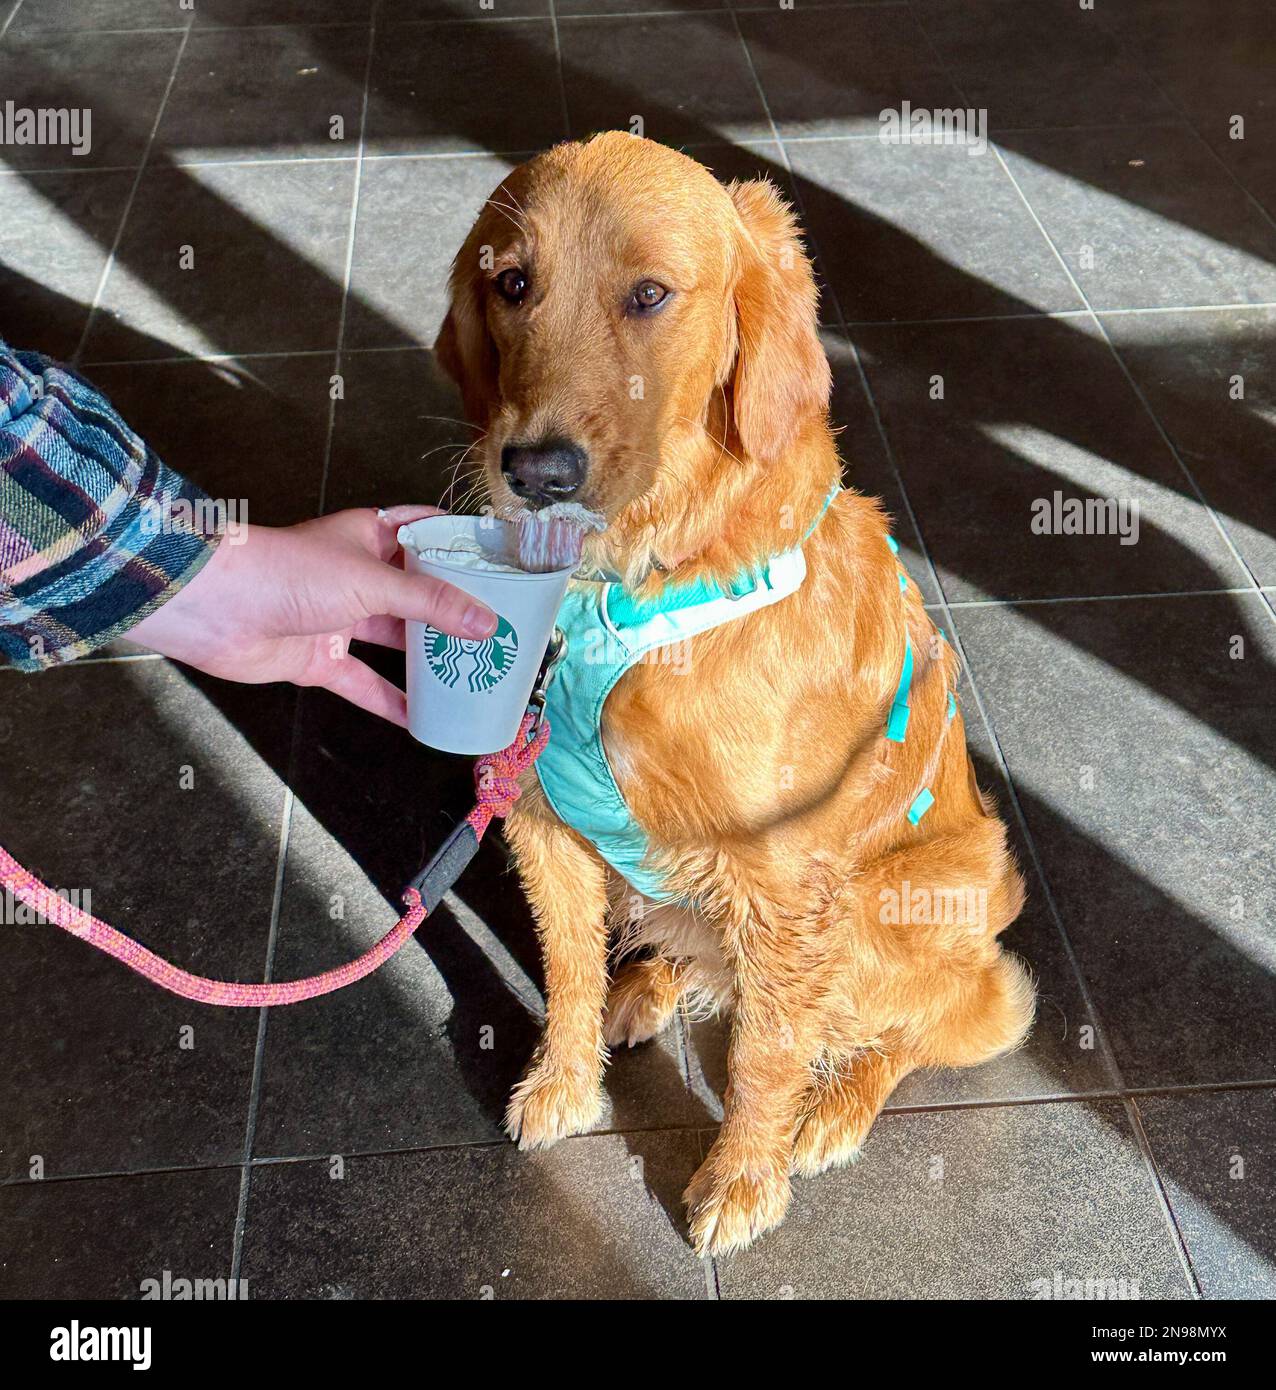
(95, 531)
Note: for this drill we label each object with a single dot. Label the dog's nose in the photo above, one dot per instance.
(551, 471)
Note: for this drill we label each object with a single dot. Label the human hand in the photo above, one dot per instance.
(283, 603)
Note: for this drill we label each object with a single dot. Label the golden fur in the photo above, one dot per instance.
(759, 769)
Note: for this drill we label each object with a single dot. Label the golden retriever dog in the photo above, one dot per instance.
(629, 333)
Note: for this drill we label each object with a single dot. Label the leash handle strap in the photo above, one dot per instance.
(496, 779)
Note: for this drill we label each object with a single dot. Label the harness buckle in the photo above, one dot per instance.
(554, 654)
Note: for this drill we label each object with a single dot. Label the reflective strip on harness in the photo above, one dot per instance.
(897, 723)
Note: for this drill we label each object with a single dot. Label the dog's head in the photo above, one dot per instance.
(632, 335)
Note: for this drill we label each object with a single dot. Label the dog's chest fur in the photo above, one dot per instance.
(675, 931)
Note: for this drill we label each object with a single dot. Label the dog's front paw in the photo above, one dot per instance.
(729, 1211)
(550, 1103)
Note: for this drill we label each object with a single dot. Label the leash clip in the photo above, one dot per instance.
(554, 654)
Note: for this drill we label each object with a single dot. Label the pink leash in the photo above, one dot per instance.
(496, 782)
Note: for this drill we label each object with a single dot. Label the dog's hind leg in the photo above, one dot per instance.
(643, 998)
(840, 1109)
(988, 1017)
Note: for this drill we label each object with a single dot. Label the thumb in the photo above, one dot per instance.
(420, 598)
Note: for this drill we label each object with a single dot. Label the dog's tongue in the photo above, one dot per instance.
(553, 538)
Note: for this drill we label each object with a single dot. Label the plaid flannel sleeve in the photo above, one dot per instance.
(95, 531)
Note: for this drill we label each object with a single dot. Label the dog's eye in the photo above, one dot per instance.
(648, 296)
(513, 285)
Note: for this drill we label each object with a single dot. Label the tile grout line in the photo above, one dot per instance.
(12, 171)
(766, 105)
(206, 358)
(206, 28)
(1108, 1096)
(1201, 1088)
(132, 197)
(1187, 308)
(684, 1048)
(839, 328)
(788, 167)
(182, 162)
(339, 352)
(1135, 1120)
(1259, 206)
(653, 12)
(477, 153)
(831, 137)
(564, 109)
(179, 161)
(263, 1014)
(454, 21)
(1062, 314)
(1145, 1149)
(9, 18)
(254, 1099)
(1089, 598)
(110, 1174)
(712, 1274)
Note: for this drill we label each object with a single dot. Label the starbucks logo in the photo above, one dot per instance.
(481, 665)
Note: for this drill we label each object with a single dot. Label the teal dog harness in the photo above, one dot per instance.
(607, 632)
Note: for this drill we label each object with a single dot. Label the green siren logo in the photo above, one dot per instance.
(481, 664)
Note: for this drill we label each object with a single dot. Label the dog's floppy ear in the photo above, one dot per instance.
(464, 347)
(781, 376)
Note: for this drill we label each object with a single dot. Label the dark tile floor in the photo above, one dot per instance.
(1089, 307)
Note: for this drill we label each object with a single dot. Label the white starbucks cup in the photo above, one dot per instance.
(467, 696)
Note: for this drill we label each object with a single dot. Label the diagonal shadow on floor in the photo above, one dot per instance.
(1066, 352)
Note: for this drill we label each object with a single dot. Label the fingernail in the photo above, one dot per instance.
(478, 621)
